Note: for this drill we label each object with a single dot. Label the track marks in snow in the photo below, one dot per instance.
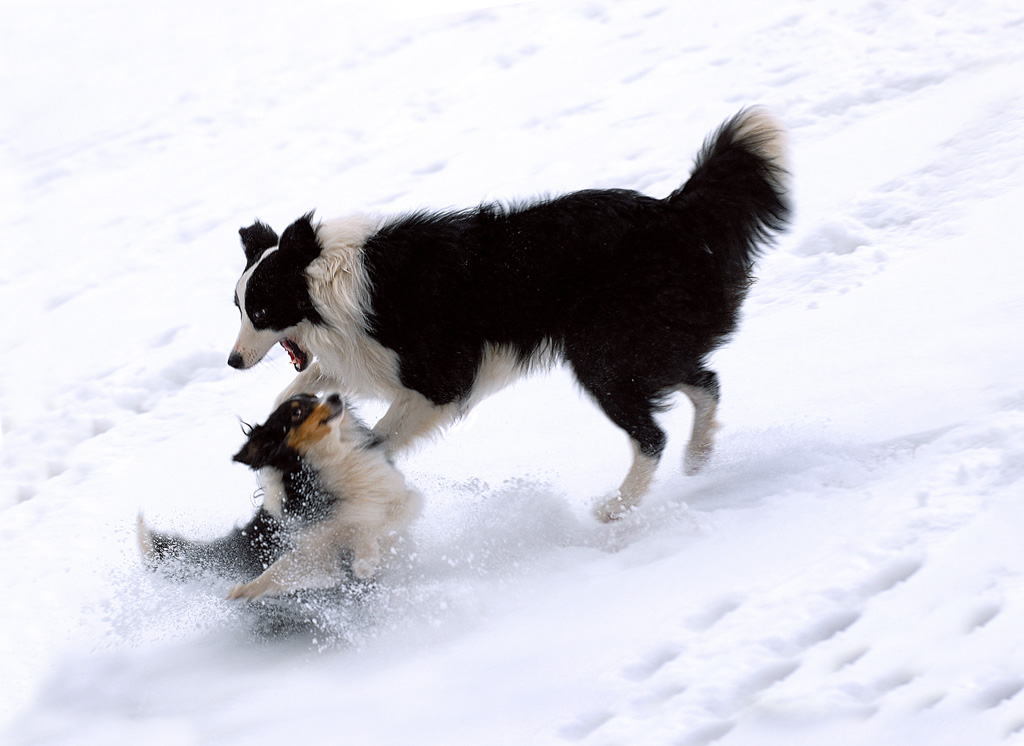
(827, 627)
(709, 617)
(649, 665)
(874, 689)
(583, 726)
(997, 692)
(981, 615)
(890, 575)
(915, 197)
(870, 639)
(44, 444)
(763, 678)
(682, 676)
(707, 734)
(735, 654)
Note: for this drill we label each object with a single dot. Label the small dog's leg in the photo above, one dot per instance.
(410, 417)
(287, 574)
(366, 557)
(313, 563)
(261, 586)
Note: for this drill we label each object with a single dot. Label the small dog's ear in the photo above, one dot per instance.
(249, 455)
(300, 241)
(256, 239)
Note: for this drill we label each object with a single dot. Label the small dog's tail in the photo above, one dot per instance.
(736, 198)
(245, 552)
(144, 537)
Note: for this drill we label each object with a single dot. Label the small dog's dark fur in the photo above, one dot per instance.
(330, 493)
(433, 311)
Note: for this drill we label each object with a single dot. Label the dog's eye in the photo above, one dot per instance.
(258, 316)
(299, 413)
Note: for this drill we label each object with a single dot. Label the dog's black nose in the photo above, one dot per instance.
(236, 361)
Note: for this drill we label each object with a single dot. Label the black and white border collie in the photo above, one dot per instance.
(331, 497)
(433, 311)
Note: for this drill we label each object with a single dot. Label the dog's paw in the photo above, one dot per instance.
(252, 590)
(696, 459)
(366, 559)
(364, 568)
(613, 508)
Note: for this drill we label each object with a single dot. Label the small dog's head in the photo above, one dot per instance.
(302, 427)
(272, 293)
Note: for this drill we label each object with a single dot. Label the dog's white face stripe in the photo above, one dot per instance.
(252, 343)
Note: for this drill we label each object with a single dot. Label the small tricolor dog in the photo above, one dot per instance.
(332, 500)
(433, 311)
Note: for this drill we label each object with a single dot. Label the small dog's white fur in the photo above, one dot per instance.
(374, 509)
(371, 508)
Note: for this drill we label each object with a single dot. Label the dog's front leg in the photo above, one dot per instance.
(365, 555)
(261, 586)
(410, 417)
(312, 563)
(310, 381)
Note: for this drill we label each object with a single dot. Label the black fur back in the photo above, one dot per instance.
(619, 283)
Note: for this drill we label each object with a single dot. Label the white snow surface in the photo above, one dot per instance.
(849, 569)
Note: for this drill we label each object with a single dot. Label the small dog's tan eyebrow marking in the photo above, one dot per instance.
(312, 429)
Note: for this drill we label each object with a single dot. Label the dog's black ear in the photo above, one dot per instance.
(299, 240)
(256, 239)
(247, 455)
(252, 454)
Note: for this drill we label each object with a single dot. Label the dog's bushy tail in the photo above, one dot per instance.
(242, 554)
(736, 199)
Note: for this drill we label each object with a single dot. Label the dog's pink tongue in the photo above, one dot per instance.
(296, 360)
(300, 360)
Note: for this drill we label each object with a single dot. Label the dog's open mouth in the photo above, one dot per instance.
(300, 358)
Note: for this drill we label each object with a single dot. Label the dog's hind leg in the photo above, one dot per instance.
(312, 380)
(702, 390)
(410, 417)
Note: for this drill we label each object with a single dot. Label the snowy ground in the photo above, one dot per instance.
(848, 570)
